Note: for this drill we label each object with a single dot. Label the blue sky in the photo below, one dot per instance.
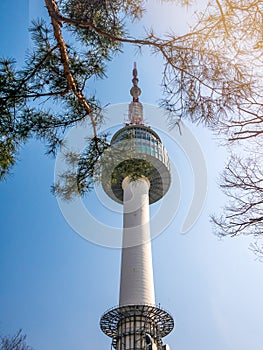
(55, 285)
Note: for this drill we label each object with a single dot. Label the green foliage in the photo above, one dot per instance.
(205, 75)
(134, 168)
(7, 156)
(211, 73)
(81, 173)
(38, 100)
(106, 16)
(42, 79)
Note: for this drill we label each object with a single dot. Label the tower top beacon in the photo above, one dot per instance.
(135, 107)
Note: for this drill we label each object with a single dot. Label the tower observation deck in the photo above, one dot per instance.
(136, 173)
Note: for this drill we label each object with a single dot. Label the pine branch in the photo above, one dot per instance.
(53, 11)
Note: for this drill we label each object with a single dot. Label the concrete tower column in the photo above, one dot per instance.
(136, 284)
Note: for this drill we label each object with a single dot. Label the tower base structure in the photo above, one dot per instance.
(137, 327)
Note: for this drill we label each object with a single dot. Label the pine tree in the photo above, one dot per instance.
(211, 74)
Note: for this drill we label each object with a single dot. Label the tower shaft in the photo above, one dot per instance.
(136, 173)
(136, 284)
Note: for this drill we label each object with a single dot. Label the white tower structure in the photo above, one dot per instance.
(138, 175)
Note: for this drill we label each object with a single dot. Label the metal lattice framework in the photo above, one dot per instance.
(161, 321)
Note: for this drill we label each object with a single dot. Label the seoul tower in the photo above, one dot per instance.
(139, 176)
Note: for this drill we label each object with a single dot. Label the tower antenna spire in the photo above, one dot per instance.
(135, 90)
(135, 107)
